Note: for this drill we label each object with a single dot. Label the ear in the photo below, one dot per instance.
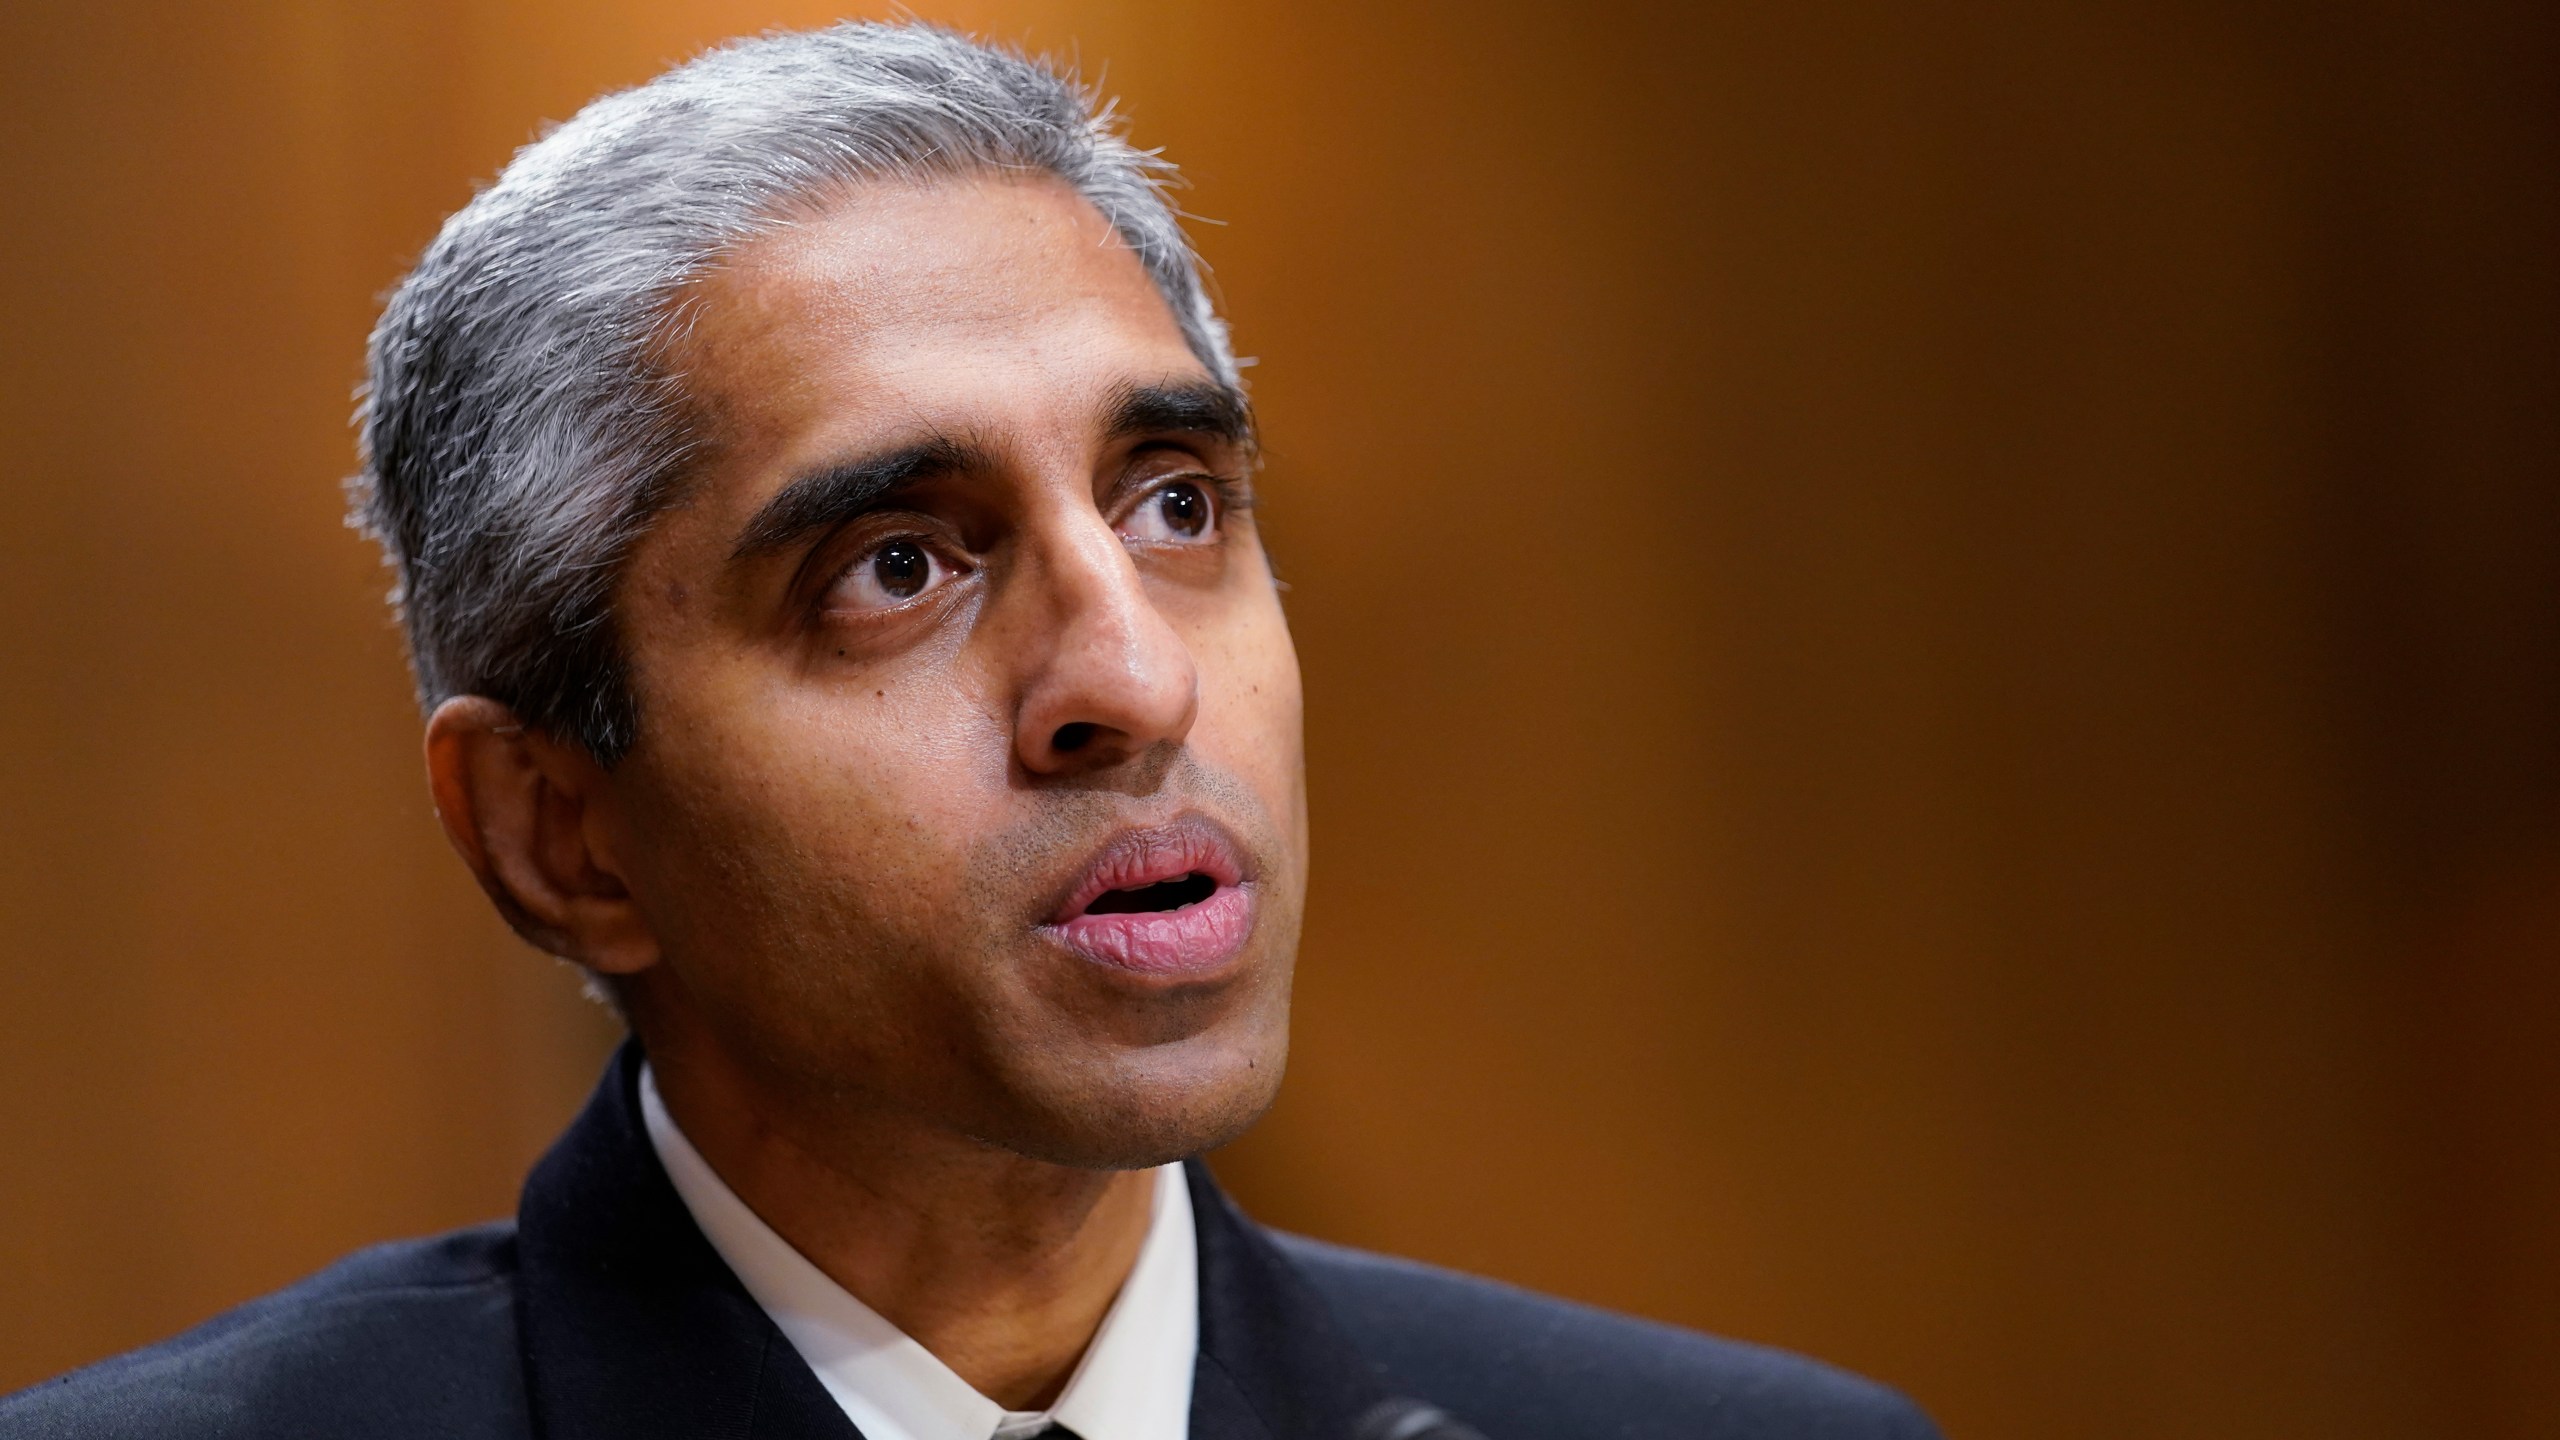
(535, 819)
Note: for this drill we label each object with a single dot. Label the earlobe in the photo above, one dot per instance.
(521, 808)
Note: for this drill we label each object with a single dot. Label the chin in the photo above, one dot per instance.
(1143, 1112)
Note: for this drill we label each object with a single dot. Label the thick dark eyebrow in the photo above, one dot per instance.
(1202, 407)
(835, 495)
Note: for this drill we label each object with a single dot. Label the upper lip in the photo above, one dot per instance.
(1192, 845)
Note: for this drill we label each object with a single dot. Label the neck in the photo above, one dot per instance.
(1003, 1267)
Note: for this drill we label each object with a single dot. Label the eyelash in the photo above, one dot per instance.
(1233, 492)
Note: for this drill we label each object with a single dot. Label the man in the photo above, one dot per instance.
(821, 496)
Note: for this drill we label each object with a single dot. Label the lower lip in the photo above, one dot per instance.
(1187, 941)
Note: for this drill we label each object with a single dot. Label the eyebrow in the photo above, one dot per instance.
(1196, 407)
(838, 494)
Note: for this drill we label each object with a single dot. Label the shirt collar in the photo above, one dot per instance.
(1134, 1382)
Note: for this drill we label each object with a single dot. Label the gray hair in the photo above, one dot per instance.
(519, 428)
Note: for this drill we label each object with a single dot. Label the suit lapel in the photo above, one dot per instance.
(1273, 1364)
(632, 1326)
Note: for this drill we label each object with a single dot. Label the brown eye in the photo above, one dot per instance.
(896, 572)
(903, 569)
(1186, 509)
(1176, 513)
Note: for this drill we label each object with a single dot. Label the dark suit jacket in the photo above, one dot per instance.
(603, 1314)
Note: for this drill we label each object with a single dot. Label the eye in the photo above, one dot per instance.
(891, 574)
(1178, 513)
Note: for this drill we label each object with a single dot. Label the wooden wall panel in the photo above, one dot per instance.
(1931, 636)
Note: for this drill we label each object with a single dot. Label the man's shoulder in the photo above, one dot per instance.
(1527, 1366)
(412, 1338)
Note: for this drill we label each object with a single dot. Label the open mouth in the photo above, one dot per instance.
(1171, 900)
(1163, 895)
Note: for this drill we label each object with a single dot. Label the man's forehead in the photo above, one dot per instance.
(902, 304)
(966, 328)
(900, 263)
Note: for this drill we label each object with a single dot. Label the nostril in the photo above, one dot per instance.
(1072, 738)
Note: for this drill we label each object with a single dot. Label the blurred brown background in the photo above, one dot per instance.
(1934, 637)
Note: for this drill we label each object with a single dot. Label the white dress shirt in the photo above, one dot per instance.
(1134, 1382)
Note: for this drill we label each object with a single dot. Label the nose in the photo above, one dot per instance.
(1105, 677)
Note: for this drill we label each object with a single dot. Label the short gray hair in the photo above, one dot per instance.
(519, 428)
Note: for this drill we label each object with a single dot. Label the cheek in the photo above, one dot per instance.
(834, 813)
(1251, 720)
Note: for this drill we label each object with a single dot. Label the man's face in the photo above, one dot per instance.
(969, 787)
